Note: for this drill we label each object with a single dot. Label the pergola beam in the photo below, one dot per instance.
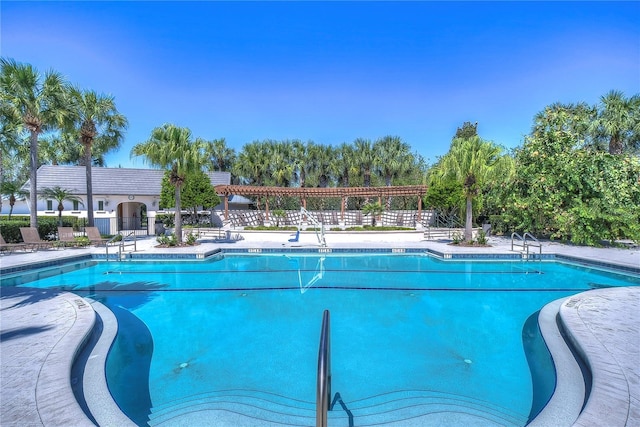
(307, 192)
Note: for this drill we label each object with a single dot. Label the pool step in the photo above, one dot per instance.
(406, 408)
(230, 407)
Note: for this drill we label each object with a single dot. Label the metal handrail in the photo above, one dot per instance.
(323, 389)
(538, 244)
(121, 244)
(106, 245)
(523, 244)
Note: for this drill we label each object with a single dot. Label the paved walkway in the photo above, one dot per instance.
(41, 331)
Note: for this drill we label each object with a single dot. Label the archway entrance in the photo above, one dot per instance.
(132, 218)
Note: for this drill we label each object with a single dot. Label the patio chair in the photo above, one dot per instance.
(10, 247)
(31, 238)
(94, 236)
(67, 238)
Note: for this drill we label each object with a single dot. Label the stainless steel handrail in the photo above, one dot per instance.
(121, 244)
(537, 242)
(523, 244)
(323, 389)
(106, 245)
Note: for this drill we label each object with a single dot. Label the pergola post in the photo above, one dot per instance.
(266, 209)
(419, 208)
(342, 206)
(226, 207)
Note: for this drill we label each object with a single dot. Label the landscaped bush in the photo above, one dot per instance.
(47, 227)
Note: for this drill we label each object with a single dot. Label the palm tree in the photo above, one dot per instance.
(9, 136)
(13, 190)
(322, 164)
(282, 164)
(252, 164)
(394, 159)
(474, 163)
(220, 156)
(618, 121)
(60, 195)
(373, 209)
(300, 153)
(39, 101)
(171, 147)
(366, 157)
(94, 119)
(346, 166)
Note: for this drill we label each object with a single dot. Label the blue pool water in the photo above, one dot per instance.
(410, 334)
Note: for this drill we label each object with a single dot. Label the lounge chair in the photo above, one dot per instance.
(67, 238)
(94, 236)
(10, 247)
(31, 238)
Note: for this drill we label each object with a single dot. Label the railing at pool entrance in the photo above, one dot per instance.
(323, 389)
(525, 241)
(128, 240)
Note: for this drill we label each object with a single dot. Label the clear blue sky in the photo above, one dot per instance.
(331, 71)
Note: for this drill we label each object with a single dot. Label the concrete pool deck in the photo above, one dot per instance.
(42, 331)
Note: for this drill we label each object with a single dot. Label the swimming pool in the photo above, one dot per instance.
(411, 335)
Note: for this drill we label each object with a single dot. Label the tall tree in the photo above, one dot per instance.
(467, 130)
(281, 163)
(395, 158)
(94, 119)
(60, 195)
(323, 166)
(40, 102)
(366, 157)
(572, 120)
(197, 192)
(219, 155)
(9, 137)
(474, 163)
(301, 160)
(346, 165)
(252, 163)
(618, 121)
(13, 190)
(171, 147)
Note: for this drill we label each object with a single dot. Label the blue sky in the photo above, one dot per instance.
(331, 72)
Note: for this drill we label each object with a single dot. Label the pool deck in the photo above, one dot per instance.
(41, 333)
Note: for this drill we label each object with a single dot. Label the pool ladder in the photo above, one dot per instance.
(525, 242)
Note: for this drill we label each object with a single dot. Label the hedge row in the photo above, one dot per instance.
(47, 227)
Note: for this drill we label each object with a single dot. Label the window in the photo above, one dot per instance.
(100, 205)
(75, 205)
(49, 205)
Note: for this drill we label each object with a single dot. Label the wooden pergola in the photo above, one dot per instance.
(305, 193)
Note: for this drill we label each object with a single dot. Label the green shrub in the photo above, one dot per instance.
(482, 238)
(191, 239)
(82, 240)
(47, 227)
(166, 219)
(168, 240)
